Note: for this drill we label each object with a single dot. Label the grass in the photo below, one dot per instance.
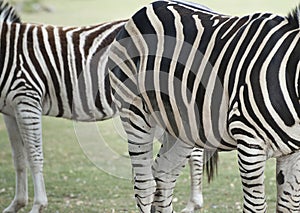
(78, 178)
(75, 184)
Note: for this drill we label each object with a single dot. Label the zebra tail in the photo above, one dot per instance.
(211, 158)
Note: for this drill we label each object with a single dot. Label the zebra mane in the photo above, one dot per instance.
(193, 5)
(8, 13)
(294, 16)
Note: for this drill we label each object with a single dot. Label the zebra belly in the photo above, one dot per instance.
(83, 108)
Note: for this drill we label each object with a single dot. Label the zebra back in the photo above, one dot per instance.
(8, 13)
(64, 69)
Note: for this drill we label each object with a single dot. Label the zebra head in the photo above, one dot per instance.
(8, 13)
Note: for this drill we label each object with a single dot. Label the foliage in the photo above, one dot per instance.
(31, 6)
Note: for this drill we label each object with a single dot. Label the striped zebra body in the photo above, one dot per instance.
(59, 72)
(59, 68)
(217, 81)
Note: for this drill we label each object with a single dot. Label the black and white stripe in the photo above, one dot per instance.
(217, 81)
(49, 70)
(60, 72)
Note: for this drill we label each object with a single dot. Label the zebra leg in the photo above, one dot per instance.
(18, 152)
(252, 159)
(252, 154)
(288, 183)
(168, 164)
(141, 154)
(196, 171)
(140, 148)
(28, 117)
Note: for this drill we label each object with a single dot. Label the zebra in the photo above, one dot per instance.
(58, 72)
(47, 70)
(214, 81)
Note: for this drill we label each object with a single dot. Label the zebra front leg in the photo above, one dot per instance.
(252, 159)
(141, 155)
(167, 167)
(19, 157)
(196, 171)
(28, 117)
(288, 183)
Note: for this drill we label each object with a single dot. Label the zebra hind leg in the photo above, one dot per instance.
(196, 171)
(167, 167)
(28, 117)
(288, 183)
(252, 160)
(19, 157)
(252, 153)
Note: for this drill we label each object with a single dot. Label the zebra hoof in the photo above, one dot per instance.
(15, 206)
(191, 207)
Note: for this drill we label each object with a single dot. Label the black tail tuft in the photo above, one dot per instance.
(211, 158)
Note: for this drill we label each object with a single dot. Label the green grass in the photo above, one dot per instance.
(73, 182)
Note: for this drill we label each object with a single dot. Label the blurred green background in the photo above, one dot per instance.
(73, 182)
(78, 12)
